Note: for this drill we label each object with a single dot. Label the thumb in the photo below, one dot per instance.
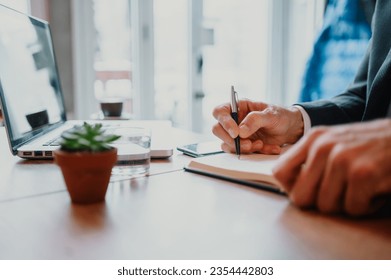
(255, 121)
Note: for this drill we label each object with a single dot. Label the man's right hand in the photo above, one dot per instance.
(262, 127)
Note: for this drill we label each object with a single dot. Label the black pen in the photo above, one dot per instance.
(234, 115)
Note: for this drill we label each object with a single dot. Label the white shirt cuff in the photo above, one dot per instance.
(306, 118)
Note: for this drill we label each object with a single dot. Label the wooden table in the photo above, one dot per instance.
(171, 214)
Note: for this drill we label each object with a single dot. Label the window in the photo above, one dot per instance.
(238, 53)
(190, 52)
(112, 64)
(232, 49)
(171, 60)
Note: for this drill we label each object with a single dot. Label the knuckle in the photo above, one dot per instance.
(253, 116)
(362, 171)
(216, 111)
(270, 110)
(215, 129)
(272, 113)
(321, 147)
(339, 156)
(226, 148)
(318, 131)
(318, 134)
(252, 120)
(220, 110)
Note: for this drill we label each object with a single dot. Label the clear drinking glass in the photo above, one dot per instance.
(134, 149)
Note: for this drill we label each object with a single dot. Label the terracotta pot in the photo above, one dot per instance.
(86, 174)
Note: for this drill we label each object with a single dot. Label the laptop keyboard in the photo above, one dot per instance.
(110, 128)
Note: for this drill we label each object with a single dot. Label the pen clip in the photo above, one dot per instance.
(234, 100)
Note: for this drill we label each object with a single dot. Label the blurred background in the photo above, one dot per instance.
(177, 59)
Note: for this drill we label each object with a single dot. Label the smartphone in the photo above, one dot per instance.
(201, 149)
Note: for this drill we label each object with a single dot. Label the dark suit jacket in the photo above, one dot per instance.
(368, 97)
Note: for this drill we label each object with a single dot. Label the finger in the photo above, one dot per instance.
(305, 189)
(269, 149)
(227, 148)
(286, 172)
(382, 194)
(221, 133)
(222, 109)
(223, 115)
(257, 146)
(245, 147)
(333, 186)
(300, 169)
(253, 122)
(357, 199)
(290, 163)
(362, 183)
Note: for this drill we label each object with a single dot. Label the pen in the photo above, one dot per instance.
(234, 115)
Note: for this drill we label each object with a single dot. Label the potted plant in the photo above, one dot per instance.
(86, 160)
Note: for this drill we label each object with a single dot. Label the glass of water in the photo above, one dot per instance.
(134, 151)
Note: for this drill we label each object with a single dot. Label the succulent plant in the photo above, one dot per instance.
(87, 138)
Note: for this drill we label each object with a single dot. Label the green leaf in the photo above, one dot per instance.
(87, 137)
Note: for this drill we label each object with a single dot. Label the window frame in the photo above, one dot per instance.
(278, 90)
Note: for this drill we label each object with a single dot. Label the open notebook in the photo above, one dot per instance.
(253, 170)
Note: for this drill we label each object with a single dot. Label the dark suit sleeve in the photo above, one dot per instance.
(346, 107)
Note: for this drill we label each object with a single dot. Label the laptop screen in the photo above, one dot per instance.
(30, 91)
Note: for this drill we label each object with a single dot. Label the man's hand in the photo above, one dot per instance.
(341, 169)
(262, 128)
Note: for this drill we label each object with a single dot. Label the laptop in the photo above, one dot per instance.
(31, 96)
